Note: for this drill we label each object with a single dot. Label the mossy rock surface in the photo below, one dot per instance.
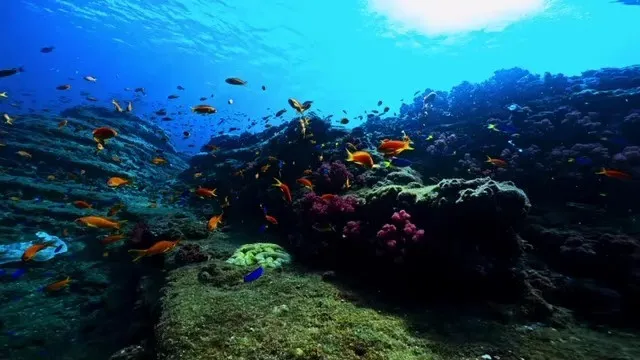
(283, 315)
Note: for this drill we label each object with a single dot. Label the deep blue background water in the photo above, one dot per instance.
(343, 54)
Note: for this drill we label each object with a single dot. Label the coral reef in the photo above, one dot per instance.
(190, 254)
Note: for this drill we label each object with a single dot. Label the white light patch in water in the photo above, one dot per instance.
(454, 17)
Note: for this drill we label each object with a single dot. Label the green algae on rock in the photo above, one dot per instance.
(283, 316)
(264, 254)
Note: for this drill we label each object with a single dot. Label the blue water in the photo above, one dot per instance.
(345, 54)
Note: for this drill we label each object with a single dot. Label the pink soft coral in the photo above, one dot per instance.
(393, 238)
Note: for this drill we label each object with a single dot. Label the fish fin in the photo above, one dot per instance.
(349, 155)
(139, 254)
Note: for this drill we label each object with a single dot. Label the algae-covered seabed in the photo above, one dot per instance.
(208, 313)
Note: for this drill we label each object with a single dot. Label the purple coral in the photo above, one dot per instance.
(327, 208)
(351, 230)
(400, 233)
(331, 177)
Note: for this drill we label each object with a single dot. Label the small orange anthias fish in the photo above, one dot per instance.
(117, 182)
(616, 174)
(496, 162)
(161, 247)
(361, 157)
(99, 222)
(62, 124)
(32, 250)
(286, 192)
(328, 197)
(115, 209)
(214, 222)
(80, 204)
(271, 219)
(206, 193)
(394, 147)
(58, 285)
(110, 239)
(306, 183)
(159, 161)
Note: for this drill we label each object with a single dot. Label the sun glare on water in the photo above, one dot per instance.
(455, 17)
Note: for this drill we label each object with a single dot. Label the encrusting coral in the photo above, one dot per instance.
(263, 254)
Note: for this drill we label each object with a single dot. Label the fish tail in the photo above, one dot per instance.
(489, 158)
(21, 69)
(603, 171)
(349, 155)
(278, 182)
(138, 254)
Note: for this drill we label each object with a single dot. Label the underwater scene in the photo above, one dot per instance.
(320, 180)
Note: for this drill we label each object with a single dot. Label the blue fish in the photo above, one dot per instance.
(262, 228)
(399, 162)
(254, 275)
(280, 164)
(584, 161)
(3, 272)
(58, 248)
(18, 273)
(509, 129)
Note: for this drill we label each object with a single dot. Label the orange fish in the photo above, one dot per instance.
(62, 124)
(58, 285)
(362, 158)
(285, 189)
(214, 222)
(158, 248)
(159, 161)
(394, 147)
(99, 222)
(616, 174)
(306, 183)
(204, 109)
(117, 182)
(104, 133)
(347, 184)
(110, 239)
(307, 172)
(206, 193)
(32, 250)
(80, 204)
(265, 168)
(115, 209)
(129, 107)
(271, 219)
(496, 162)
(328, 197)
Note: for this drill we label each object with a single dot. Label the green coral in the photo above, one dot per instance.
(265, 254)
